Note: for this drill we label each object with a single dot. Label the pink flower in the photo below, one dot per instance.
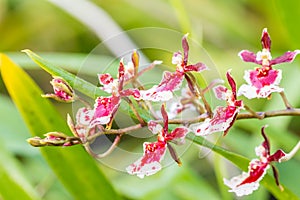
(154, 152)
(246, 183)
(106, 107)
(172, 81)
(62, 90)
(264, 80)
(223, 117)
(82, 128)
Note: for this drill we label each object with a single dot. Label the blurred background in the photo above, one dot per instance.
(221, 27)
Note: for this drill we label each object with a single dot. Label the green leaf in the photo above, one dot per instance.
(73, 166)
(13, 183)
(242, 163)
(76, 82)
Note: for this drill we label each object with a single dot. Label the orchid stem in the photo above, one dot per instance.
(286, 102)
(135, 111)
(257, 115)
(106, 153)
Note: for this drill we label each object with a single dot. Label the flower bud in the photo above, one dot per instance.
(62, 90)
(54, 139)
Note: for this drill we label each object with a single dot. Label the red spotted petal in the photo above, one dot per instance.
(105, 79)
(260, 78)
(177, 134)
(121, 75)
(163, 91)
(154, 127)
(149, 164)
(257, 170)
(177, 58)
(220, 92)
(131, 92)
(222, 120)
(198, 67)
(261, 83)
(246, 183)
(104, 109)
(84, 116)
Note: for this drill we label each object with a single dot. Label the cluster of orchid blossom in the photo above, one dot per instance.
(92, 122)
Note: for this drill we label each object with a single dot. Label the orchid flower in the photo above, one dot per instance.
(223, 117)
(154, 152)
(264, 80)
(172, 81)
(106, 107)
(248, 182)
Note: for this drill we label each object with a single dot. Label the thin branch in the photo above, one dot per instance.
(285, 101)
(255, 115)
(135, 111)
(115, 131)
(267, 114)
(106, 153)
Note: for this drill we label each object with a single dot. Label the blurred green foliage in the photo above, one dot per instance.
(222, 27)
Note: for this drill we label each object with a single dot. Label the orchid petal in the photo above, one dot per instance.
(287, 57)
(248, 56)
(163, 91)
(149, 164)
(84, 116)
(177, 58)
(277, 156)
(222, 120)
(241, 190)
(220, 92)
(131, 92)
(198, 67)
(265, 39)
(107, 81)
(231, 83)
(154, 127)
(185, 47)
(261, 84)
(178, 135)
(104, 109)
